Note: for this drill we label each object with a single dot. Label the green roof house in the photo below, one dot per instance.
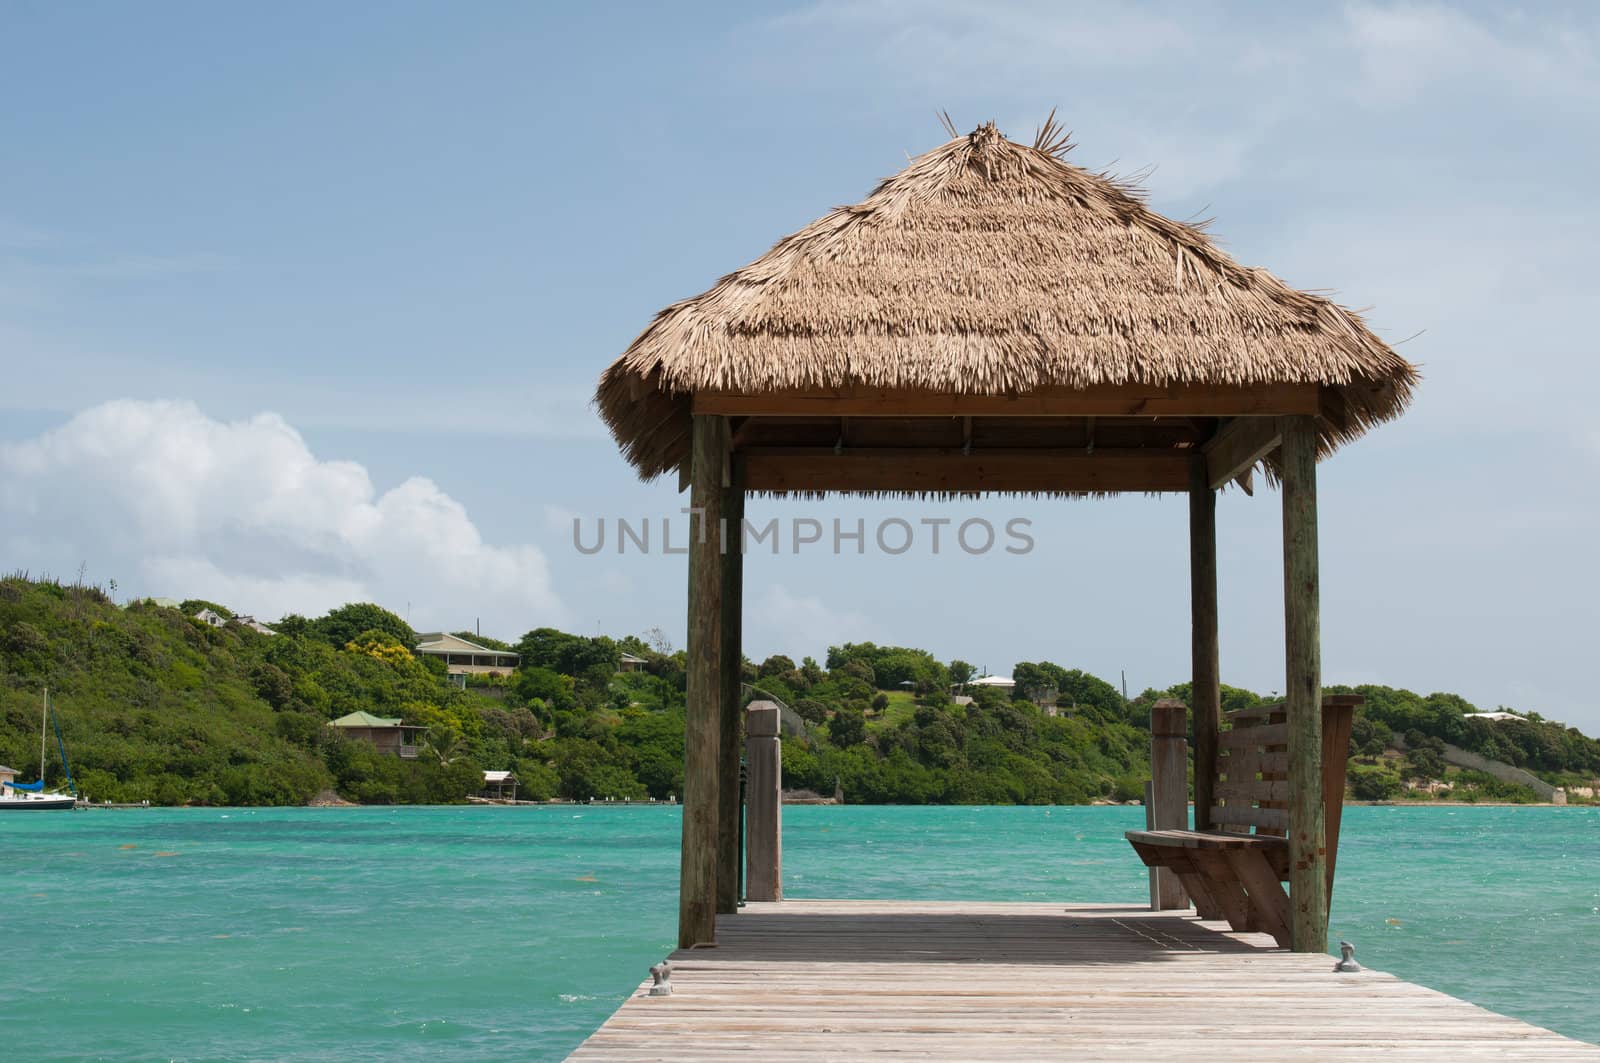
(389, 735)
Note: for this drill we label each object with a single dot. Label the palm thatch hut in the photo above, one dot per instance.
(994, 318)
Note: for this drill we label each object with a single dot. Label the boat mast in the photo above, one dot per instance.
(44, 718)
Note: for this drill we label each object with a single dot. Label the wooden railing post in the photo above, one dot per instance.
(1168, 804)
(763, 803)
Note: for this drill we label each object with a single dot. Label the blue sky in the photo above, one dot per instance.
(306, 301)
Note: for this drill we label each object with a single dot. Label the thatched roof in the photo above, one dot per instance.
(987, 267)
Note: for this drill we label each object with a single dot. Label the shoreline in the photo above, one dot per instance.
(825, 802)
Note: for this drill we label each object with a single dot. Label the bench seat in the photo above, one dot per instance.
(1237, 874)
(1204, 839)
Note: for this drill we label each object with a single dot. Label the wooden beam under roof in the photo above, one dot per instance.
(1107, 400)
(1237, 446)
(940, 470)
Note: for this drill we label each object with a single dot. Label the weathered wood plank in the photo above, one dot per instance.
(1107, 400)
(1249, 816)
(1267, 899)
(895, 469)
(1257, 735)
(815, 980)
(1246, 764)
(1237, 446)
(1253, 790)
(1337, 722)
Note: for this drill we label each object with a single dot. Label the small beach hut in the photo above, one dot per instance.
(499, 785)
(996, 319)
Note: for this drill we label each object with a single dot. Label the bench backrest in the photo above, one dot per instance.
(1252, 782)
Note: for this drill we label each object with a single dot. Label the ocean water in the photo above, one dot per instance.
(486, 933)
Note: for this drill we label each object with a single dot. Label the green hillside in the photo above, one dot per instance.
(157, 705)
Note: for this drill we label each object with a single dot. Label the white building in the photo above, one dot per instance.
(463, 657)
(1001, 682)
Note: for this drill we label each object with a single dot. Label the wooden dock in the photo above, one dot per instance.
(939, 980)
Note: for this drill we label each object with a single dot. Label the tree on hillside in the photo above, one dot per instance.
(890, 666)
(294, 626)
(635, 645)
(272, 683)
(382, 646)
(573, 655)
(860, 670)
(545, 684)
(961, 672)
(811, 710)
(658, 640)
(345, 624)
(1073, 686)
(191, 606)
(777, 664)
(847, 728)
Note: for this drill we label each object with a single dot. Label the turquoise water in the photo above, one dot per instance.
(471, 933)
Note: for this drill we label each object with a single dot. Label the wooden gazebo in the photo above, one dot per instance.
(995, 319)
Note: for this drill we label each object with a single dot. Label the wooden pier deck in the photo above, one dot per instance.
(804, 980)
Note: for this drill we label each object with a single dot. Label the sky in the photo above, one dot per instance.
(305, 303)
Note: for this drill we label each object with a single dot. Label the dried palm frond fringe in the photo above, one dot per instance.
(988, 267)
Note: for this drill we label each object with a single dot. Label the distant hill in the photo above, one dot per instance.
(156, 704)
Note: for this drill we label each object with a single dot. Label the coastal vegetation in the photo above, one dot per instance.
(158, 705)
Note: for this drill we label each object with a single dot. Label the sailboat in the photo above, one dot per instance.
(30, 796)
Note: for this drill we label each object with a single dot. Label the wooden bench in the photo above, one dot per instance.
(1234, 870)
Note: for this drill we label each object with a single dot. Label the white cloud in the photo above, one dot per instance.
(173, 502)
(559, 519)
(1404, 48)
(542, 409)
(800, 625)
(1203, 99)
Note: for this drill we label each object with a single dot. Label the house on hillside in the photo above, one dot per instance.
(1000, 682)
(389, 735)
(463, 657)
(159, 603)
(216, 619)
(630, 663)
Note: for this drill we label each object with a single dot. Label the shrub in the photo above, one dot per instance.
(847, 728)
(811, 710)
(1372, 783)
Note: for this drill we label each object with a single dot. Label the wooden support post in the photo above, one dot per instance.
(1268, 905)
(1337, 720)
(1169, 794)
(732, 573)
(697, 875)
(764, 801)
(1308, 856)
(1206, 673)
(1150, 824)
